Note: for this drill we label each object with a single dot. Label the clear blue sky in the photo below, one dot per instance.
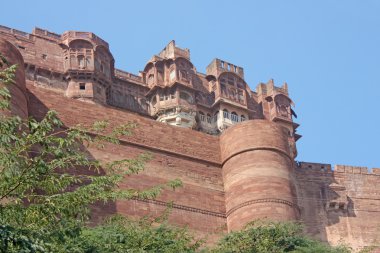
(327, 51)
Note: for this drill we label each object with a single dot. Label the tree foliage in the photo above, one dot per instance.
(273, 237)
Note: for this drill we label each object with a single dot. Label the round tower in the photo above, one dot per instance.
(19, 101)
(257, 173)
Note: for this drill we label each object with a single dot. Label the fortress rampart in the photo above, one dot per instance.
(257, 173)
(234, 149)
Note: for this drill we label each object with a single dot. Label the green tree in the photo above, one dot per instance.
(273, 237)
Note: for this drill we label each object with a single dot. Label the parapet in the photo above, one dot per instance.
(314, 167)
(69, 36)
(356, 170)
(323, 168)
(217, 67)
(171, 51)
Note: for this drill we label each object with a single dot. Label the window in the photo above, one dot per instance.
(231, 81)
(73, 63)
(222, 64)
(208, 118)
(234, 117)
(81, 61)
(183, 74)
(226, 114)
(185, 96)
(202, 116)
(172, 75)
(242, 118)
(82, 86)
(228, 67)
(88, 61)
(44, 56)
(150, 79)
(235, 69)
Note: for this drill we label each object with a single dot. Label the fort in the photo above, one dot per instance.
(233, 148)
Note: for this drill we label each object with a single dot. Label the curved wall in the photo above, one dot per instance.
(19, 101)
(257, 173)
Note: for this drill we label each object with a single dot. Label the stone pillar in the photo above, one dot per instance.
(257, 173)
(19, 99)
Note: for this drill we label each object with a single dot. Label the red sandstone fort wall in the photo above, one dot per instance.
(191, 156)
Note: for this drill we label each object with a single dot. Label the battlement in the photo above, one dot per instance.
(356, 170)
(14, 32)
(218, 66)
(327, 168)
(171, 51)
(46, 33)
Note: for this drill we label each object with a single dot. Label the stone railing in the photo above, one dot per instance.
(126, 75)
(70, 35)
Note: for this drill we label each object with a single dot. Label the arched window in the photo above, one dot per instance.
(234, 117)
(185, 96)
(150, 79)
(172, 75)
(183, 74)
(202, 116)
(242, 118)
(226, 114)
(81, 61)
(208, 118)
(88, 61)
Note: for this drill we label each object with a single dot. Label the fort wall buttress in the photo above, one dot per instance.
(19, 101)
(257, 173)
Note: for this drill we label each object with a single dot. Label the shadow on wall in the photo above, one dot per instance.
(99, 210)
(322, 199)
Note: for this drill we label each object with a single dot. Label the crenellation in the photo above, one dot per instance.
(233, 148)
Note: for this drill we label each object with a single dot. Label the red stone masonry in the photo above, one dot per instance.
(247, 172)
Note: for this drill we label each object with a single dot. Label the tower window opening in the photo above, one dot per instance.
(242, 118)
(81, 61)
(234, 117)
(82, 86)
(222, 64)
(208, 118)
(186, 96)
(235, 69)
(202, 116)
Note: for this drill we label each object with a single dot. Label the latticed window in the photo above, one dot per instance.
(234, 117)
